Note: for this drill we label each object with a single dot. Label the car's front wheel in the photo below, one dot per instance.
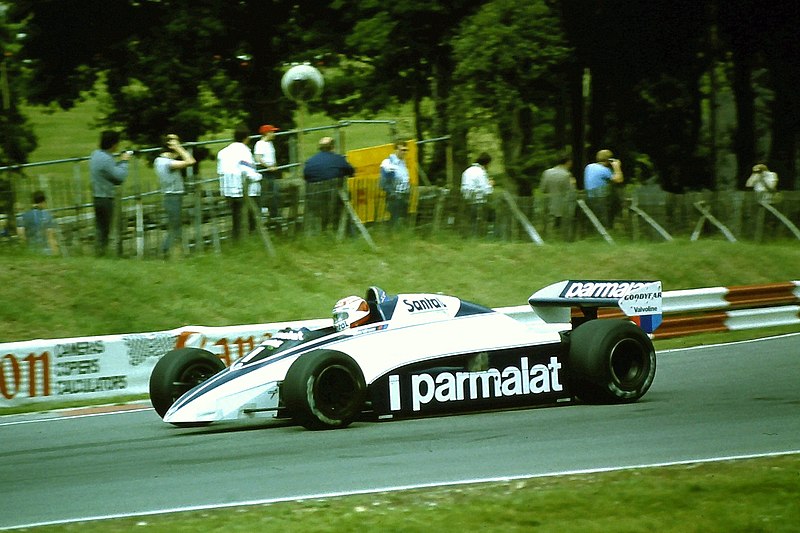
(611, 361)
(177, 372)
(324, 390)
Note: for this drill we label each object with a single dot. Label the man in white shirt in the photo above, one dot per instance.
(476, 188)
(476, 185)
(233, 162)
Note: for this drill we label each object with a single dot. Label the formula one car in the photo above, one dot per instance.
(412, 355)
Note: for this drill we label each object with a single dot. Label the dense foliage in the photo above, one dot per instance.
(675, 87)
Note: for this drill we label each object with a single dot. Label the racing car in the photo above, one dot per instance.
(411, 355)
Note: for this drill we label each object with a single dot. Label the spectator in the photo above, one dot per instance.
(37, 227)
(558, 184)
(106, 173)
(169, 166)
(324, 173)
(763, 182)
(476, 189)
(264, 153)
(597, 180)
(395, 182)
(233, 163)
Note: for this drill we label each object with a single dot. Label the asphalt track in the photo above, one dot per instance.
(706, 403)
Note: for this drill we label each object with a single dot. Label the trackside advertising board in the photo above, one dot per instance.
(114, 365)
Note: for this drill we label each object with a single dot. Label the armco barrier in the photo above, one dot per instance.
(110, 366)
(718, 309)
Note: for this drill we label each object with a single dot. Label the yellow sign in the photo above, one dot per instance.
(368, 200)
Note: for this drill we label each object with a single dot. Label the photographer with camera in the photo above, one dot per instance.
(106, 174)
(597, 180)
(169, 166)
(763, 182)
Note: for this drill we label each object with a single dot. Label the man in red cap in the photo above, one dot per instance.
(264, 153)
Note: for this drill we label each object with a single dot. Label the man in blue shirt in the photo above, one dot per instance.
(597, 180)
(324, 173)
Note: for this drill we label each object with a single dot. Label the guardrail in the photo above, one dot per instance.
(718, 309)
(714, 309)
(109, 366)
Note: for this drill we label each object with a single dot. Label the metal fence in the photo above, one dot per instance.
(291, 209)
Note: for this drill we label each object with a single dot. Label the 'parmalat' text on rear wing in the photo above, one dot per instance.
(639, 300)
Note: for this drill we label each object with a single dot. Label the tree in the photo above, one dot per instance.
(170, 65)
(200, 66)
(645, 60)
(511, 62)
(400, 53)
(761, 35)
(16, 135)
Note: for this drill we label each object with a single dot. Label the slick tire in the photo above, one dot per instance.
(324, 390)
(611, 361)
(177, 372)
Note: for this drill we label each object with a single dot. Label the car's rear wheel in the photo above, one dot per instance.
(177, 372)
(611, 361)
(324, 390)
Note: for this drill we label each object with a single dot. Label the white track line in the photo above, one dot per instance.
(397, 488)
(52, 416)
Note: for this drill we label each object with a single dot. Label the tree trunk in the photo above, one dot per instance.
(578, 109)
(440, 89)
(782, 156)
(744, 137)
(515, 139)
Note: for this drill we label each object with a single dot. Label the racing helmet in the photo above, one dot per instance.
(350, 312)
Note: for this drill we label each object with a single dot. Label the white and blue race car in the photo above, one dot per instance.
(412, 355)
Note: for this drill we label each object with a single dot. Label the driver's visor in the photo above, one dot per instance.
(340, 319)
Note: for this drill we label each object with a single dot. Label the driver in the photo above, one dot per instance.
(350, 312)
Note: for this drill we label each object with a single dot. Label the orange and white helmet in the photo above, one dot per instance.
(350, 312)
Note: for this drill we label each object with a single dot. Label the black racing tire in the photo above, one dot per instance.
(611, 361)
(324, 389)
(177, 372)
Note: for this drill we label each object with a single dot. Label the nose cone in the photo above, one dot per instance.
(199, 409)
(242, 398)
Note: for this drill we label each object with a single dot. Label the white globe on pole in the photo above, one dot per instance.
(302, 83)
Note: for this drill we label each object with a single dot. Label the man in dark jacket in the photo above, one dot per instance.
(324, 173)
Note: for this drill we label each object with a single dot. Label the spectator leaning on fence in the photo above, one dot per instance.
(597, 180)
(324, 173)
(395, 182)
(37, 228)
(233, 162)
(106, 173)
(763, 182)
(169, 166)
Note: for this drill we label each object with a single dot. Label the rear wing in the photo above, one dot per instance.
(639, 300)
